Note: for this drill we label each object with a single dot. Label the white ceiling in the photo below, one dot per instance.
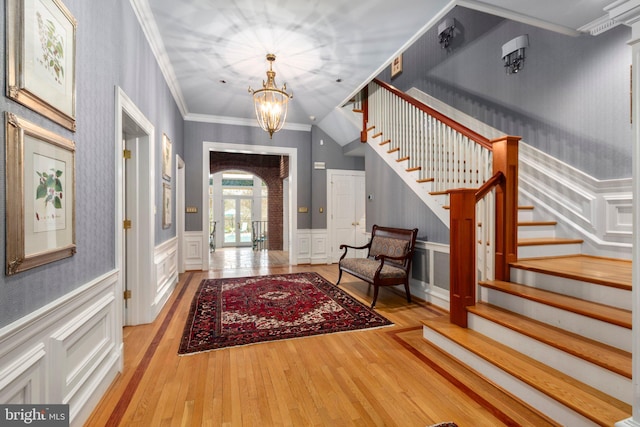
(211, 51)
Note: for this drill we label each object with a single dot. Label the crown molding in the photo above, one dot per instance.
(515, 16)
(152, 33)
(599, 26)
(238, 121)
(624, 11)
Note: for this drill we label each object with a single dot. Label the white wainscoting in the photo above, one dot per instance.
(312, 247)
(165, 261)
(304, 247)
(66, 352)
(432, 285)
(600, 211)
(319, 247)
(193, 250)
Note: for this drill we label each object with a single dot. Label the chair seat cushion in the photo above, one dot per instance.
(367, 268)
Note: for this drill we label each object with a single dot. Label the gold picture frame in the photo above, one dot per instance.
(396, 66)
(39, 195)
(166, 205)
(41, 58)
(166, 157)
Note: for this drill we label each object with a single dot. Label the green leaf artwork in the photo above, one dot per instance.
(50, 188)
(52, 47)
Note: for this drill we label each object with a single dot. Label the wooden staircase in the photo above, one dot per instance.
(558, 335)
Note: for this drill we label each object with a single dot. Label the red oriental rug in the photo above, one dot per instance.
(248, 310)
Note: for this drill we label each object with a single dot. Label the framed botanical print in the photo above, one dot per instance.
(39, 195)
(166, 157)
(41, 58)
(166, 205)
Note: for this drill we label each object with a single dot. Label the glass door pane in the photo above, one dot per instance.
(237, 221)
(246, 206)
(229, 221)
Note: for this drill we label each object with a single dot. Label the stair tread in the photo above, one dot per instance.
(583, 399)
(464, 377)
(603, 271)
(605, 313)
(606, 356)
(534, 241)
(536, 223)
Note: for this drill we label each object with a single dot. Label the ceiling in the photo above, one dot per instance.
(211, 51)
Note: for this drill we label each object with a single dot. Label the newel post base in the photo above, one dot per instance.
(462, 254)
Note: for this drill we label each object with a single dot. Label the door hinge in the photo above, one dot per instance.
(127, 294)
(126, 154)
(126, 224)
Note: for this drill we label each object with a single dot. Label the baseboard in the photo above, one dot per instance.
(67, 352)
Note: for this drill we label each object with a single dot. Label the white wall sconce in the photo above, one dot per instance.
(445, 32)
(513, 53)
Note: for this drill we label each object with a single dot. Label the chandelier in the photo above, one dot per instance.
(271, 102)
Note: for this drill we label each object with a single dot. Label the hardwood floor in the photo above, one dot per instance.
(362, 378)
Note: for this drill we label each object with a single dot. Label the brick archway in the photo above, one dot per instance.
(272, 169)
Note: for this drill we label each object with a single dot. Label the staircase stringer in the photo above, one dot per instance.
(420, 189)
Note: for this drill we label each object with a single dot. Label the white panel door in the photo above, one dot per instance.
(346, 216)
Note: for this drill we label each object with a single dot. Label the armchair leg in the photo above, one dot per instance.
(339, 277)
(408, 291)
(375, 295)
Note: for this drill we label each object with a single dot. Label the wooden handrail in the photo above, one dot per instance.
(472, 135)
(494, 181)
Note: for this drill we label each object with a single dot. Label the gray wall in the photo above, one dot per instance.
(195, 133)
(571, 100)
(329, 152)
(394, 204)
(111, 51)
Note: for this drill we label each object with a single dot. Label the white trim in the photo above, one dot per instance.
(515, 16)
(425, 288)
(239, 121)
(180, 210)
(207, 147)
(319, 246)
(139, 308)
(304, 246)
(68, 351)
(194, 249)
(165, 260)
(152, 33)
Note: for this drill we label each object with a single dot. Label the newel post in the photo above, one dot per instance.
(505, 160)
(365, 113)
(462, 253)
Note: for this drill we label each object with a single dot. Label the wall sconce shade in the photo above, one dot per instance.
(513, 53)
(445, 32)
(270, 102)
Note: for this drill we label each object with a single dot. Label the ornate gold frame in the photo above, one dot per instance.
(54, 99)
(27, 247)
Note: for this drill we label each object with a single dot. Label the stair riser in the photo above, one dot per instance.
(584, 290)
(518, 388)
(535, 231)
(534, 251)
(596, 376)
(525, 215)
(603, 332)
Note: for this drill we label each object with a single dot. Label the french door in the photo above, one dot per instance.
(237, 221)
